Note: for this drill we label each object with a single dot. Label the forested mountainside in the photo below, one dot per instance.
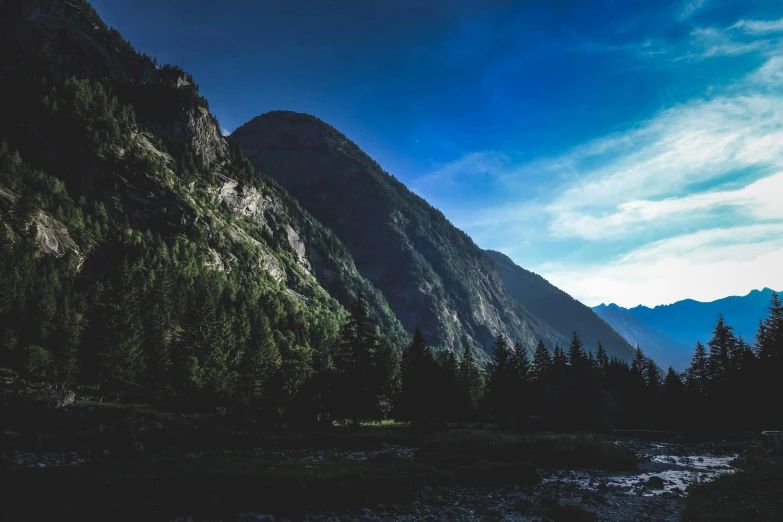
(140, 248)
(560, 311)
(431, 273)
(666, 350)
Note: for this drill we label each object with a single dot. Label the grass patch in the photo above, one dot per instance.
(754, 494)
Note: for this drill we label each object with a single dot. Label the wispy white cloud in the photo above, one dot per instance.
(759, 26)
(706, 265)
(689, 145)
(683, 204)
(690, 8)
(486, 163)
(225, 132)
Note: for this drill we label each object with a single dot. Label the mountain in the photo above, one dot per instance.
(665, 350)
(683, 323)
(140, 247)
(689, 321)
(432, 274)
(556, 308)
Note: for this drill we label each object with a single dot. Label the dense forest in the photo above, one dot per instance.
(125, 274)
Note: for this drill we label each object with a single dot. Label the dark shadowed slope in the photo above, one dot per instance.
(558, 309)
(665, 350)
(431, 273)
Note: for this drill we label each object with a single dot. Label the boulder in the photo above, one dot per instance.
(655, 482)
(59, 397)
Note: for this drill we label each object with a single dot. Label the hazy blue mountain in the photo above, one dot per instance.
(664, 349)
(688, 321)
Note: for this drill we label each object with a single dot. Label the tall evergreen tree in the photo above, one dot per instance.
(471, 382)
(576, 352)
(559, 361)
(358, 391)
(653, 375)
(502, 380)
(639, 364)
(416, 401)
(698, 373)
(722, 345)
(542, 362)
(447, 387)
(601, 360)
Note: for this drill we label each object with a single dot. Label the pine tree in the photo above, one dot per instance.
(601, 360)
(522, 366)
(653, 375)
(722, 345)
(541, 367)
(559, 361)
(262, 360)
(639, 364)
(448, 390)
(358, 390)
(501, 380)
(698, 374)
(415, 402)
(576, 353)
(471, 382)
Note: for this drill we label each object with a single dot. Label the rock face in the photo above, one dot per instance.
(432, 274)
(558, 309)
(59, 397)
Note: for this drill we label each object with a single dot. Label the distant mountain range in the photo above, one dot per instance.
(668, 333)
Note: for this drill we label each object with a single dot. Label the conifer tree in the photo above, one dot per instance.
(653, 375)
(698, 374)
(262, 360)
(542, 362)
(415, 402)
(501, 380)
(471, 382)
(722, 345)
(601, 360)
(358, 390)
(639, 364)
(559, 361)
(576, 352)
(448, 389)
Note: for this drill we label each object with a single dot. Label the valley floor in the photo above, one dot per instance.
(128, 462)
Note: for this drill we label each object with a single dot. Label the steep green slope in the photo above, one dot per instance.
(431, 273)
(558, 309)
(140, 247)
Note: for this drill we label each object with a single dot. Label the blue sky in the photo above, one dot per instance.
(628, 151)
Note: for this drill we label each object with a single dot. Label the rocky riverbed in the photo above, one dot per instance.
(655, 492)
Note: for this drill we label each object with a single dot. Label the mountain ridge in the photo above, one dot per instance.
(687, 321)
(557, 308)
(433, 274)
